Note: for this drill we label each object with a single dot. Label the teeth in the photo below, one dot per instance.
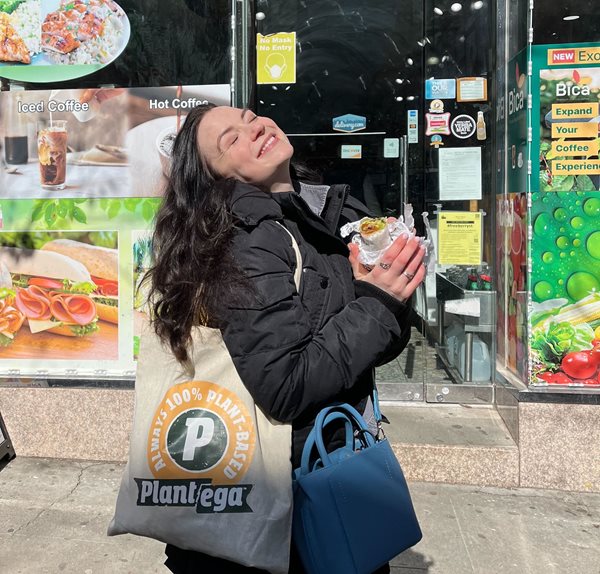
(267, 145)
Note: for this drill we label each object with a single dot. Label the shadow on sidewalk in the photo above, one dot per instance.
(411, 562)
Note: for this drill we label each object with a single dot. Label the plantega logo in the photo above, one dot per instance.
(200, 445)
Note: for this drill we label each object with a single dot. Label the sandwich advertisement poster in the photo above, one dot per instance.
(67, 285)
(85, 170)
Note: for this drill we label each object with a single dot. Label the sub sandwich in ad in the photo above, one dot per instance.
(103, 266)
(52, 291)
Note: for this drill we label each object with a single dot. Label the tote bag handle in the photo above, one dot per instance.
(298, 271)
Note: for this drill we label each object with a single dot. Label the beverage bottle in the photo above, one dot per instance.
(486, 282)
(481, 129)
(472, 281)
(15, 138)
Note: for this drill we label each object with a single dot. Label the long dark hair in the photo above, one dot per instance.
(194, 277)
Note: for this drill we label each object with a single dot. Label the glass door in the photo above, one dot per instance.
(355, 108)
(359, 70)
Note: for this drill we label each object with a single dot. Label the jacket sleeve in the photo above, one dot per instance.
(290, 370)
(402, 310)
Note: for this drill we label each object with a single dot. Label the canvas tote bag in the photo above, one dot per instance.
(207, 470)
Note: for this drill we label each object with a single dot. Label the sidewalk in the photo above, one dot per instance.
(54, 514)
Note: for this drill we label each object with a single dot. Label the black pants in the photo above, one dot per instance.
(187, 562)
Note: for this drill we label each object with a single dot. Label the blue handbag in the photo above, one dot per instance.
(352, 508)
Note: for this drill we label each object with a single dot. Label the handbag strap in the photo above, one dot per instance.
(296, 248)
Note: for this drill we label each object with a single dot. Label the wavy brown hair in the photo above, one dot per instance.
(194, 278)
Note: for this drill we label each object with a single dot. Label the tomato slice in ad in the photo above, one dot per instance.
(106, 286)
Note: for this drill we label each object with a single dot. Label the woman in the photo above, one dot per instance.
(222, 260)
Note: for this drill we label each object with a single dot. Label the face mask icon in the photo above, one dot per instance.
(275, 65)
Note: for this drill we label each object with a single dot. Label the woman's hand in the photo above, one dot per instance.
(400, 270)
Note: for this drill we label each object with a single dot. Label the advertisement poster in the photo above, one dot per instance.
(110, 142)
(85, 172)
(515, 108)
(511, 254)
(565, 219)
(67, 285)
(116, 42)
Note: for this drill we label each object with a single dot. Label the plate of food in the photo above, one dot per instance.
(60, 39)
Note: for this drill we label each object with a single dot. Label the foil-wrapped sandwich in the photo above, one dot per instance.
(374, 235)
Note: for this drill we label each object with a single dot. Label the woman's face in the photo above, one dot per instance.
(237, 143)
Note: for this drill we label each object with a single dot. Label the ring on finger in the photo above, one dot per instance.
(385, 266)
(409, 276)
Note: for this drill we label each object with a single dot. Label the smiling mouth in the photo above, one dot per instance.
(268, 145)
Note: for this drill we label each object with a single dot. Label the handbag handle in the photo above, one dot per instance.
(353, 419)
(354, 416)
(311, 439)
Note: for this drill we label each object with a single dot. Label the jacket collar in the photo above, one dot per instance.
(320, 205)
(250, 204)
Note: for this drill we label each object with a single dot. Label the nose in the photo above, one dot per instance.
(256, 129)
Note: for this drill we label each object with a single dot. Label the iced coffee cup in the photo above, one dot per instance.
(52, 153)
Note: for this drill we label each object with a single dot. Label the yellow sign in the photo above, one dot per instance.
(575, 130)
(276, 58)
(576, 166)
(574, 147)
(570, 56)
(459, 238)
(585, 111)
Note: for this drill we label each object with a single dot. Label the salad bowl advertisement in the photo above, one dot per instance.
(565, 289)
(56, 40)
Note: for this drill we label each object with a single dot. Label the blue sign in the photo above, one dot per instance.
(349, 123)
(440, 89)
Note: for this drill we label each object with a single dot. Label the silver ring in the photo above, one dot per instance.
(385, 266)
(410, 276)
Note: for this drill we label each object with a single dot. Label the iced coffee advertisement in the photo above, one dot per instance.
(64, 143)
(59, 295)
(55, 40)
(102, 142)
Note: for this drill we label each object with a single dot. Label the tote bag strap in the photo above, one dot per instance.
(298, 271)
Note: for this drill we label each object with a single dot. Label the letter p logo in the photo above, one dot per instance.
(200, 432)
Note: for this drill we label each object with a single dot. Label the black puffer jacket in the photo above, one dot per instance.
(297, 353)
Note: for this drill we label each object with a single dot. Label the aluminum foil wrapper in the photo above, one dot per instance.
(372, 247)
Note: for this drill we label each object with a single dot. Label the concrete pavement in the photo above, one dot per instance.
(54, 514)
